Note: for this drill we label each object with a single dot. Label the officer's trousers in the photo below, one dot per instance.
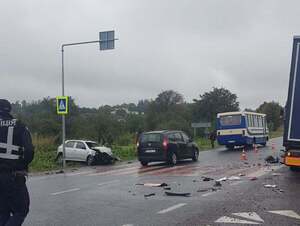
(14, 199)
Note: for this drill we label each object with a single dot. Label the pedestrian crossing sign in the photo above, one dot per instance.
(62, 105)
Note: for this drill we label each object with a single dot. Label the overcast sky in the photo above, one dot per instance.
(189, 46)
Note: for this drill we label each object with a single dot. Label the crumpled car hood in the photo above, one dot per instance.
(103, 149)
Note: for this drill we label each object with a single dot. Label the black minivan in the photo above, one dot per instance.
(166, 145)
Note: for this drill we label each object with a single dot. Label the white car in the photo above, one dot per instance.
(85, 151)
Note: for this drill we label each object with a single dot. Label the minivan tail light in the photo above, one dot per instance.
(165, 144)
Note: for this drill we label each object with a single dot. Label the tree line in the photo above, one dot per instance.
(119, 124)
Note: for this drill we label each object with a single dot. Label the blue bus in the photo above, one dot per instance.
(242, 129)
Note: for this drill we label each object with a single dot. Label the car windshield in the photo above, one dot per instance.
(92, 144)
(151, 137)
(230, 120)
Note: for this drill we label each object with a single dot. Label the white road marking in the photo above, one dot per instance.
(127, 225)
(171, 208)
(249, 215)
(287, 213)
(66, 191)
(230, 220)
(108, 182)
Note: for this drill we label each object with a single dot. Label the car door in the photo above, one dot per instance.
(70, 150)
(188, 145)
(81, 152)
(181, 145)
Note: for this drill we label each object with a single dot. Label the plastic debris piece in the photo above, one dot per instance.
(149, 195)
(234, 178)
(270, 186)
(178, 194)
(59, 172)
(207, 179)
(222, 179)
(271, 159)
(203, 190)
(217, 184)
(153, 185)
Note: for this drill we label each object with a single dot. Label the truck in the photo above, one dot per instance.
(291, 137)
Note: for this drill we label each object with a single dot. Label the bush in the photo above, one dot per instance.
(44, 154)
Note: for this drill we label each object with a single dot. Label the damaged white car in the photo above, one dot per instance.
(85, 151)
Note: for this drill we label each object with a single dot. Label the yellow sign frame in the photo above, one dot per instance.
(64, 111)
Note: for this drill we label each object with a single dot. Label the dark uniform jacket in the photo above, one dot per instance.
(16, 149)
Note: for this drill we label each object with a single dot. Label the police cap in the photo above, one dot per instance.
(5, 106)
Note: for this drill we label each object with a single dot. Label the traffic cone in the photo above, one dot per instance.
(243, 155)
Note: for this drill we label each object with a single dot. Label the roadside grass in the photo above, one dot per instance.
(125, 152)
(204, 143)
(277, 133)
(44, 154)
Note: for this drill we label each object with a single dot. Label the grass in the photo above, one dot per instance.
(125, 152)
(277, 133)
(44, 154)
(204, 143)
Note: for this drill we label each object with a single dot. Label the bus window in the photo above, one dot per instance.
(230, 120)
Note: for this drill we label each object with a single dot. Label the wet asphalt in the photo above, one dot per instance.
(109, 195)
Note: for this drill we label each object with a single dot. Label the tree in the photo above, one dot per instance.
(211, 103)
(167, 99)
(273, 111)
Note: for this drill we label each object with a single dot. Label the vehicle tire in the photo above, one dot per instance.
(90, 160)
(59, 159)
(195, 155)
(230, 147)
(144, 163)
(172, 159)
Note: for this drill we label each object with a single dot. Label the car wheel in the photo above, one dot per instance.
(59, 159)
(90, 160)
(195, 155)
(173, 159)
(144, 163)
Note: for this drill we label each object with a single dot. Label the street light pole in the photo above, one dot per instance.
(106, 40)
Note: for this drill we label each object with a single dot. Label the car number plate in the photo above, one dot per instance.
(150, 151)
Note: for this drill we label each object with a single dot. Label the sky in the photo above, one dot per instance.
(189, 46)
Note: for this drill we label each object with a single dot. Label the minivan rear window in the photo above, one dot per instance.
(151, 137)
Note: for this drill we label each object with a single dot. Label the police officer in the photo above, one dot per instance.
(16, 152)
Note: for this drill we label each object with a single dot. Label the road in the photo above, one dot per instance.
(109, 195)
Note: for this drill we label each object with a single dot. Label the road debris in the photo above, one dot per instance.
(234, 178)
(178, 194)
(270, 186)
(153, 185)
(59, 172)
(208, 189)
(167, 188)
(253, 178)
(217, 184)
(207, 179)
(242, 174)
(270, 159)
(222, 179)
(276, 174)
(149, 195)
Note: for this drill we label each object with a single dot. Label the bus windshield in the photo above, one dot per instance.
(230, 120)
